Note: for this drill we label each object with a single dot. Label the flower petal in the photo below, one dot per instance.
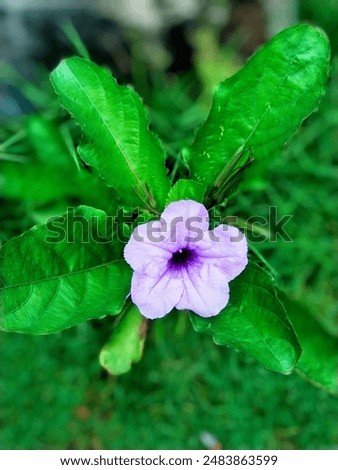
(225, 247)
(146, 251)
(155, 297)
(185, 221)
(206, 290)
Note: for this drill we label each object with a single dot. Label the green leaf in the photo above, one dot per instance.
(186, 189)
(125, 346)
(259, 108)
(58, 275)
(319, 359)
(254, 321)
(116, 139)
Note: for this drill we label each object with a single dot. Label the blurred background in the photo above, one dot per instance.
(186, 393)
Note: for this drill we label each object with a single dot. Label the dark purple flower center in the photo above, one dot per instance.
(182, 258)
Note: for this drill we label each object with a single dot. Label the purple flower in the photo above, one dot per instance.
(179, 263)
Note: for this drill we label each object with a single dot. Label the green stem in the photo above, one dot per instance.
(12, 140)
(175, 168)
(12, 157)
(263, 259)
(241, 223)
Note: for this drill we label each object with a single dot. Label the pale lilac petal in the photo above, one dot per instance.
(187, 208)
(225, 247)
(155, 297)
(146, 251)
(178, 263)
(185, 221)
(206, 290)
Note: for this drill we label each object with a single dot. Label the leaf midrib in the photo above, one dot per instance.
(110, 132)
(269, 108)
(61, 276)
(260, 335)
(283, 318)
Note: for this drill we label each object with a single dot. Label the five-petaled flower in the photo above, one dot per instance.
(179, 263)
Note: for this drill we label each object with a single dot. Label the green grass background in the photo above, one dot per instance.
(54, 396)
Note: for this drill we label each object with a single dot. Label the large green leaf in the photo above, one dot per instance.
(56, 276)
(116, 139)
(319, 359)
(125, 345)
(258, 109)
(254, 321)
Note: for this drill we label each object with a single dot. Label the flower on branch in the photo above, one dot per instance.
(179, 263)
